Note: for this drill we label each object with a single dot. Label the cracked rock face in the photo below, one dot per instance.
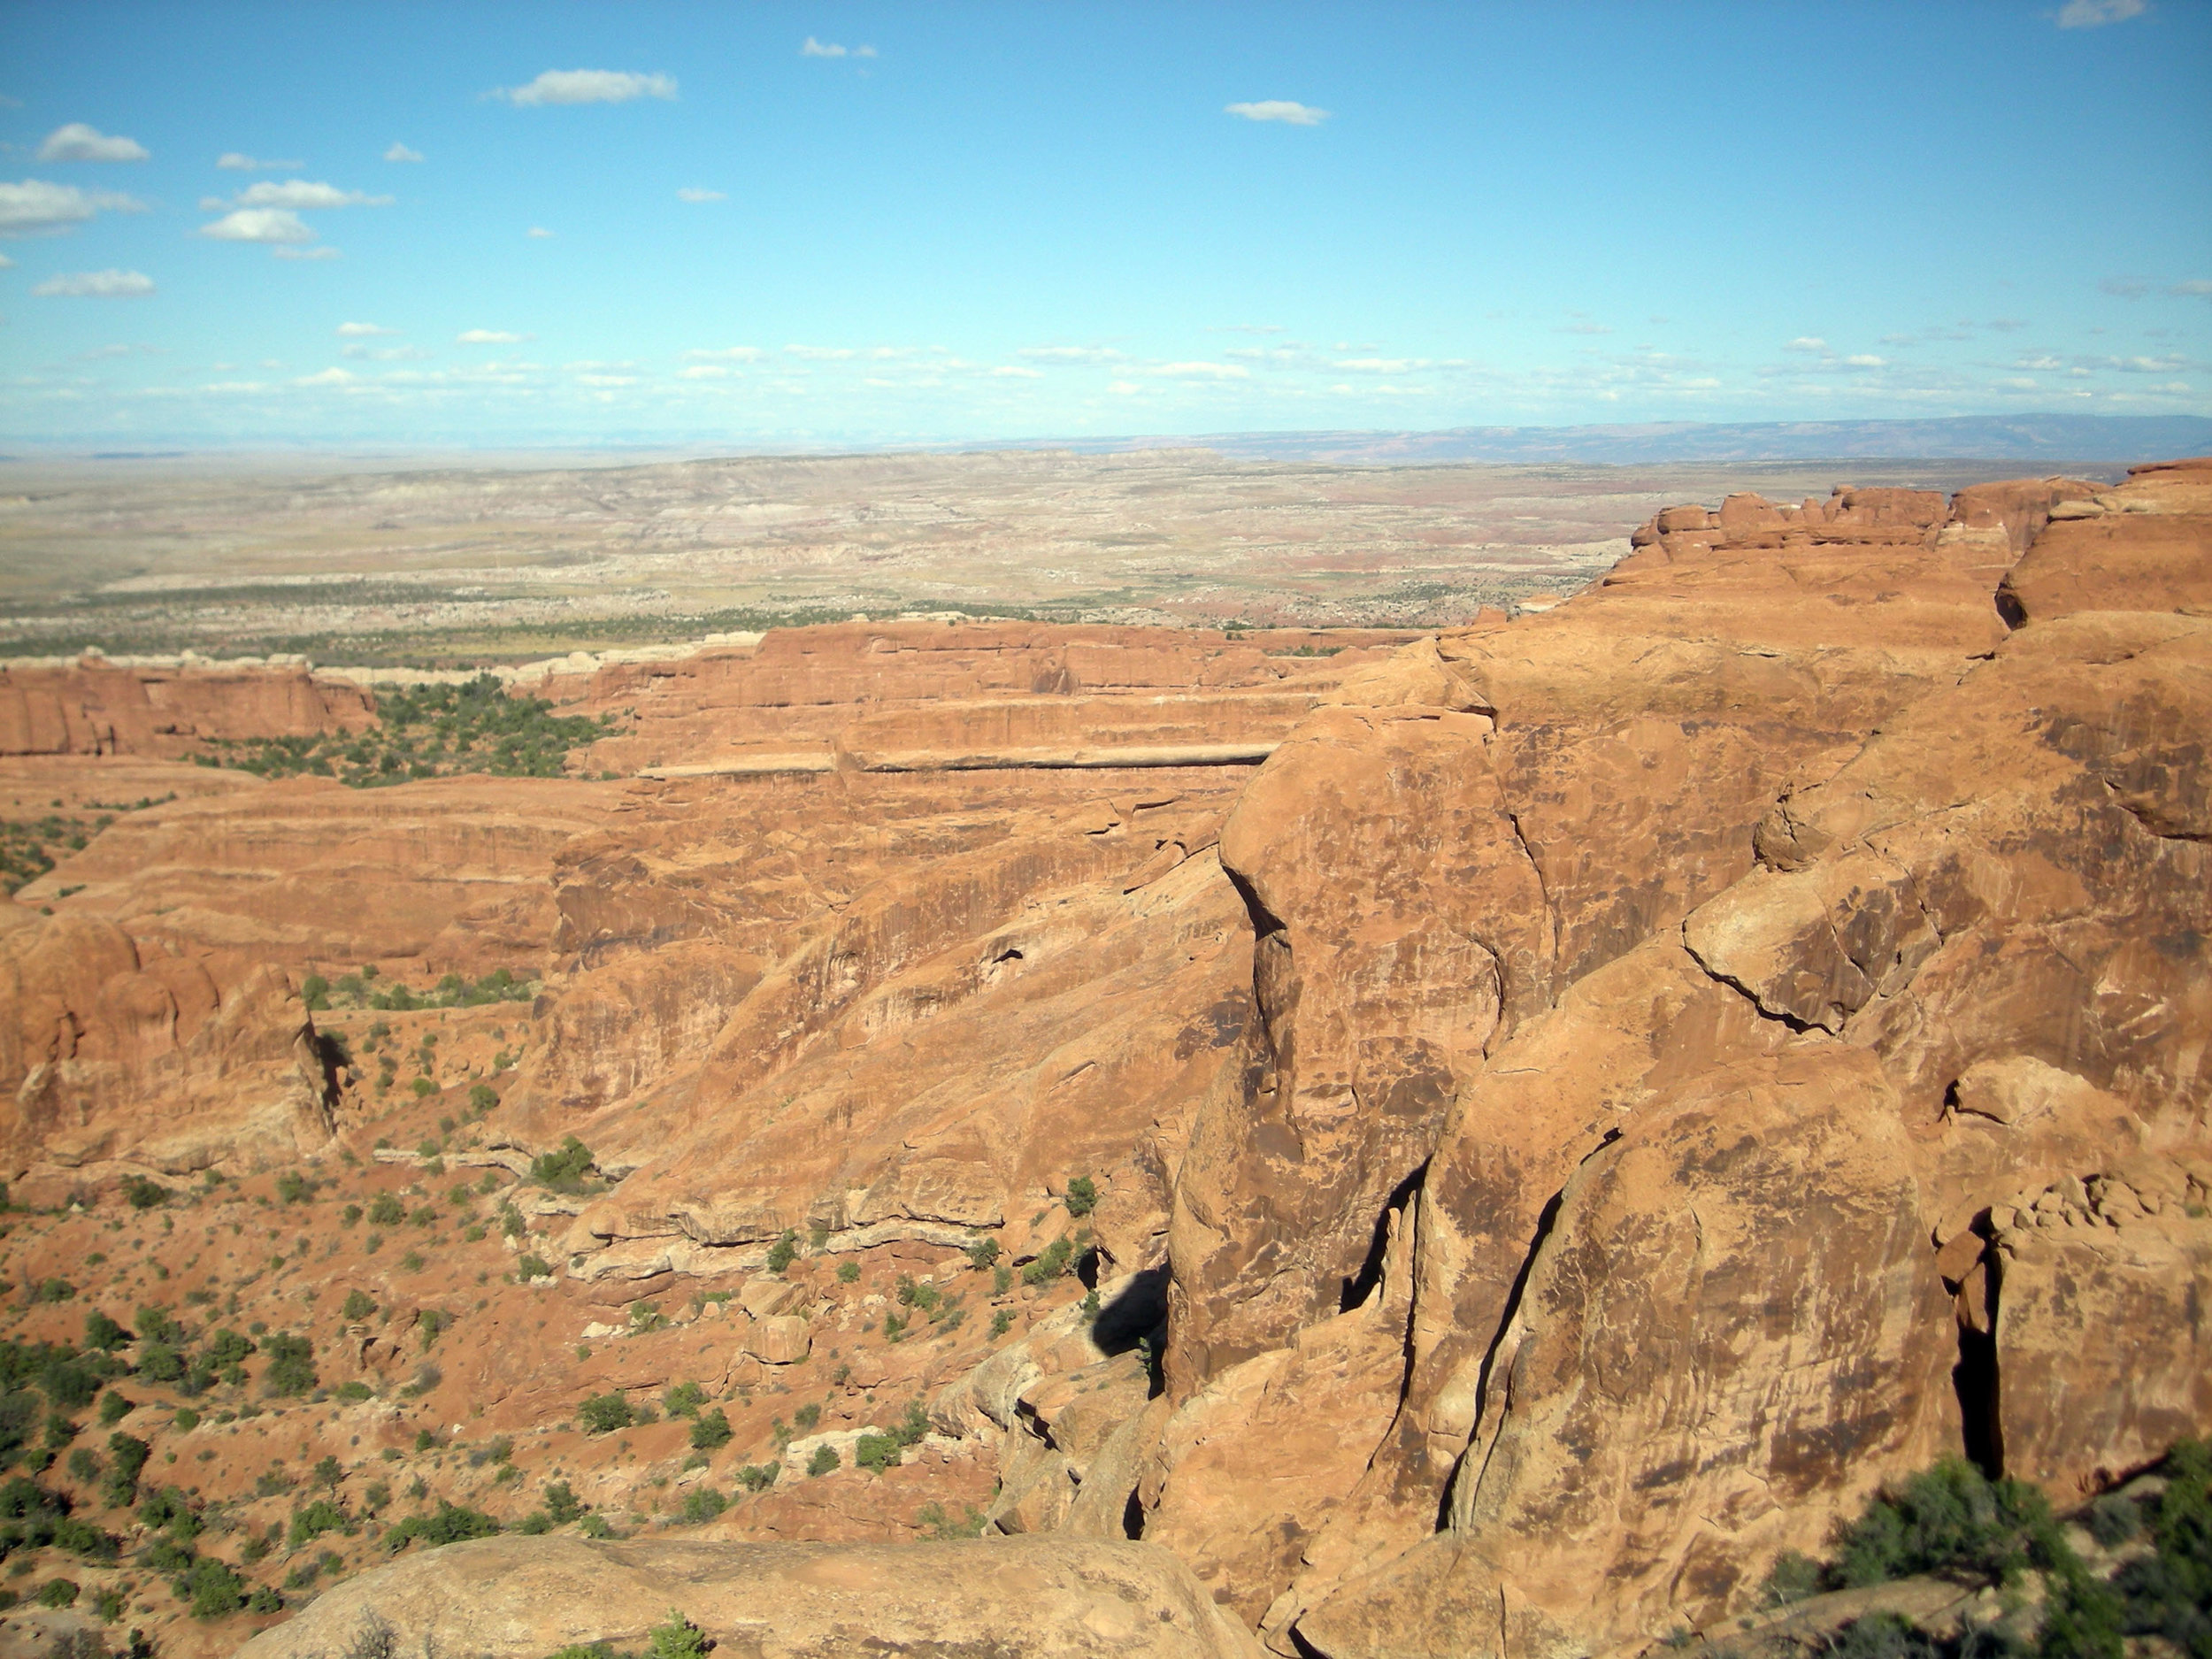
(1712, 977)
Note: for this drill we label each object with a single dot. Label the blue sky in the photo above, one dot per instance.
(506, 224)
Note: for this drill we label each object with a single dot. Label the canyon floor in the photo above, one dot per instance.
(1360, 1140)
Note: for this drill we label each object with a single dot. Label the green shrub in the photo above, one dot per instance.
(757, 1477)
(315, 993)
(983, 1253)
(878, 1452)
(703, 1504)
(291, 1368)
(57, 1593)
(603, 1414)
(678, 1639)
(1082, 1196)
(142, 1193)
(561, 1504)
(530, 1267)
(184, 1420)
(1051, 1263)
(784, 1251)
(824, 1460)
(423, 1087)
(562, 1169)
(1949, 1518)
(211, 1587)
(359, 1305)
(54, 1290)
(312, 1523)
(354, 1392)
(594, 1525)
(84, 1465)
(847, 1271)
(104, 1334)
(482, 1098)
(295, 1189)
(449, 1525)
(385, 1211)
(1794, 1576)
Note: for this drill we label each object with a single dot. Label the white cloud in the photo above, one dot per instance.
(539, 232)
(105, 285)
(1279, 110)
(1806, 343)
(363, 331)
(79, 142)
(589, 86)
(812, 48)
(2125, 288)
(1072, 354)
(725, 354)
(259, 224)
(294, 193)
(1124, 389)
(488, 337)
(2090, 14)
(1384, 366)
(692, 193)
(1204, 371)
(2196, 289)
(606, 379)
(328, 377)
(705, 372)
(1585, 328)
(6, 264)
(232, 161)
(36, 208)
(387, 354)
(1015, 370)
(820, 354)
(400, 152)
(1864, 360)
(304, 253)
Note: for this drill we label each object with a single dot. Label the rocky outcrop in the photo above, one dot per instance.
(518, 1598)
(94, 707)
(1713, 975)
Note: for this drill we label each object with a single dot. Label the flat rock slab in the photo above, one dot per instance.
(523, 1598)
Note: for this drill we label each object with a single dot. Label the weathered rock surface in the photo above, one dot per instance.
(515, 1597)
(1807, 898)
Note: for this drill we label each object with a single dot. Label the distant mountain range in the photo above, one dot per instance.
(2044, 438)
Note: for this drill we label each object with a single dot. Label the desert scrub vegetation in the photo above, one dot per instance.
(366, 988)
(425, 732)
(1953, 1522)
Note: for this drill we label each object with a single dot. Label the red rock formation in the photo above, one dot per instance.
(1858, 920)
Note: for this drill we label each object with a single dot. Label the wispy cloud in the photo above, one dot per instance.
(293, 194)
(105, 285)
(1384, 366)
(692, 193)
(1202, 370)
(273, 224)
(236, 161)
(1070, 354)
(705, 372)
(2093, 14)
(37, 208)
(812, 48)
(488, 337)
(1805, 342)
(2194, 288)
(539, 232)
(588, 86)
(363, 331)
(2125, 288)
(820, 354)
(1865, 360)
(1284, 110)
(401, 153)
(1018, 372)
(79, 142)
(724, 353)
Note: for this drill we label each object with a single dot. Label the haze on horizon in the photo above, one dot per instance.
(516, 225)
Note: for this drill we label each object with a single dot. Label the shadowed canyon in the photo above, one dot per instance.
(960, 1135)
